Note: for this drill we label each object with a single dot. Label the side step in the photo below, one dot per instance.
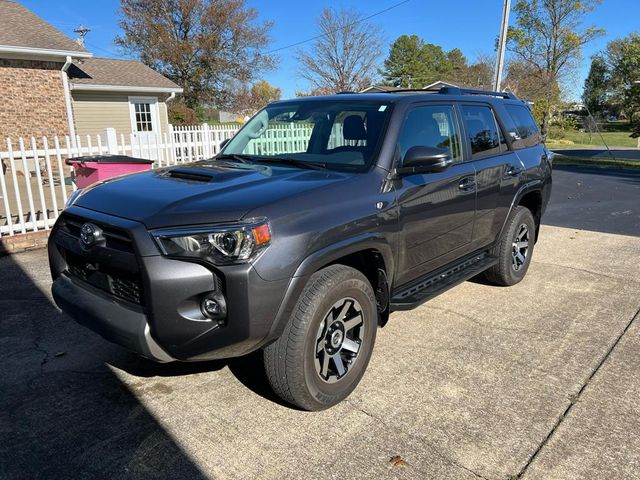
(440, 281)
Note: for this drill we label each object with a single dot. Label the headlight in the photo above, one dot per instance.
(216, 244)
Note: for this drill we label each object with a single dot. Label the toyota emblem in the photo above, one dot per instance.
(90, 234)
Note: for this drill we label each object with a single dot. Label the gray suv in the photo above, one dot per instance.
(317, 220)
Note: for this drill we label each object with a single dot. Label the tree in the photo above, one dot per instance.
(477, 75)
(344, 56)
(623, 62)
(250, 100)
(594, 95)
(529, 83)
(548, 38)
(205, 46)
(412, 63)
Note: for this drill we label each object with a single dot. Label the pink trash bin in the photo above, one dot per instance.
(91, 169)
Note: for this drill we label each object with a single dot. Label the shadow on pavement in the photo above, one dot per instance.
(63, 413)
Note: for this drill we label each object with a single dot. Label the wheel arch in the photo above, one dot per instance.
(367, 253)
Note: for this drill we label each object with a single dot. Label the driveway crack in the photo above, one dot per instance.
(574, 399)
(45, 359)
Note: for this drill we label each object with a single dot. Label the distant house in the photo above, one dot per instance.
(53, 86)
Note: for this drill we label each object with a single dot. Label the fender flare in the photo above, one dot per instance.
(534, 186)
(316, 260)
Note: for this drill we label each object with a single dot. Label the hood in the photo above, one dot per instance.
(201, 193)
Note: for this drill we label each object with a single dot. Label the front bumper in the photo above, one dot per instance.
(150, 304)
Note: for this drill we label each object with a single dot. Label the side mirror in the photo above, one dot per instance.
(421, 159)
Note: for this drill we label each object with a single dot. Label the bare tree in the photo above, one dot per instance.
(205, 46)
(345, 54)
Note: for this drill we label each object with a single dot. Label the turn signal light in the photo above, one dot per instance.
(262, 234)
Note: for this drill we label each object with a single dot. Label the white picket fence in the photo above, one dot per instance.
(35, 182)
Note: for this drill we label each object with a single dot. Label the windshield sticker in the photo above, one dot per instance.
(382, 108)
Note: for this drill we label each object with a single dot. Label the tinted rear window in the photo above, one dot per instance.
(526, 133)
(483, 131)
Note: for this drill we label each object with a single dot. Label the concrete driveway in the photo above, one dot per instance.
(539, 380)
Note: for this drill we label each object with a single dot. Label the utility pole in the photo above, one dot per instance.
(82, 31)
(502, 44)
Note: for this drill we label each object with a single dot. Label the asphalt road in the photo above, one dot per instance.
(615, 152)
(535, 381)
(602, 200)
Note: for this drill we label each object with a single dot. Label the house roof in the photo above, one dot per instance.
(118, 75)
(24, 32)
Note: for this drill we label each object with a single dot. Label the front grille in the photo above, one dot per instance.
(111, 266)
(115, 238)
(126, 287)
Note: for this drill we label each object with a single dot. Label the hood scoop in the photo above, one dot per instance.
(189, 175)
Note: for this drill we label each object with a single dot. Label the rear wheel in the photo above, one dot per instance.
(326, 346)
(514, 249)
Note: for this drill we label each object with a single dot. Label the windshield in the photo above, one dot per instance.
(334, 134)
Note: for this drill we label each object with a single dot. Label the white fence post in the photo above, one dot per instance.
(111, 139)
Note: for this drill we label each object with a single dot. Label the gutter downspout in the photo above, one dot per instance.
(67, 100)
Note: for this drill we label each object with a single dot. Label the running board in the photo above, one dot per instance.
(449, 276)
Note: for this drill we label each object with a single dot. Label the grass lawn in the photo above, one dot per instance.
(615, 134)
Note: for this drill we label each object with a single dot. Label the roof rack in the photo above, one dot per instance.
(466, 91)
(454, 91)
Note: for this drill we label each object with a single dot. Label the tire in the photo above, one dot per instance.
(512, 266)
(303, 365)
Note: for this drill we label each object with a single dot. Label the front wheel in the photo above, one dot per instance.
(326, 346)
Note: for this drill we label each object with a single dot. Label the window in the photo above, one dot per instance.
(432, 126)
(484, 133)
(525, 132)
(144, 122)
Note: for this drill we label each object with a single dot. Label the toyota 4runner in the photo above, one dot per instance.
(319, 218)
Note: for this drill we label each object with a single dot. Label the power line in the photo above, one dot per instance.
(349, 25)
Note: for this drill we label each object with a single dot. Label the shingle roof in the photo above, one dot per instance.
(116, 72)
(20, 27)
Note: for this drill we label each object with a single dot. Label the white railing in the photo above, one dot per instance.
(35, 182)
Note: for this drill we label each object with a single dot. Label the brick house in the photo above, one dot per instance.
(53, 86)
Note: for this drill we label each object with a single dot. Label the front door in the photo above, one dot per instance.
(436, 210)
(145, 126)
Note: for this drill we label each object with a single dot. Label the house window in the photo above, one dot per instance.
(144, 122)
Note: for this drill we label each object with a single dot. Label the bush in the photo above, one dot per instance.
(180, 114)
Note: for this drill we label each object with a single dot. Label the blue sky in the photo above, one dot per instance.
(471, 26)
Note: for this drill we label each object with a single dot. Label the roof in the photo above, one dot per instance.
(117, 74)
(22, 31)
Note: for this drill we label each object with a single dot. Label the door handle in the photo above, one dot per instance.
(467, 183)
(513, 171)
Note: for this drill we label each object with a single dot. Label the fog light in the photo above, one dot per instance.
(214, 306)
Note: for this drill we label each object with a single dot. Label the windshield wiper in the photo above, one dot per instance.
(292, 161)
(238, 157)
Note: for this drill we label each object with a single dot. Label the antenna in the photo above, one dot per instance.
(82, 31)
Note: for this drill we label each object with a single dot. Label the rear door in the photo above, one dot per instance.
(498, 169)
(436, 210)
